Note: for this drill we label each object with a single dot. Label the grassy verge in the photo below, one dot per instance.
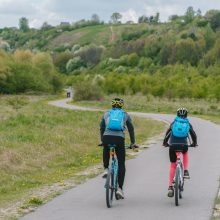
(161, 105)
(42, 145)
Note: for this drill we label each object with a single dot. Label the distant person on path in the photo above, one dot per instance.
(112, 128)
(177, 139)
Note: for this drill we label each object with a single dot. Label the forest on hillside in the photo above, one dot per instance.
(178, 58)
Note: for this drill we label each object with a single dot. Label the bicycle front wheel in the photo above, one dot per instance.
(109, 188)
(177, 185)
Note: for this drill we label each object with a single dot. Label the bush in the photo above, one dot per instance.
(60, 60)
(91, 55)
(24, 71)
(87, 91)
(75, 48)
(74, 64)
(132, 34)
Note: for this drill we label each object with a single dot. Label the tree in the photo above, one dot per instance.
(74, 64)
(143, 19)
(60, 60)
(189, 15)
(215, 21)
(173, 17)
(46, 26)
(186, 51)
(95, 18)
(156, 17)
(151, 19)
(23, 24)
(209, 14)
(116, 17)
(91, 55)
(199, 13)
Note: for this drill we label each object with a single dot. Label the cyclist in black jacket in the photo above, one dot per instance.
(173, 142)
(116, 137)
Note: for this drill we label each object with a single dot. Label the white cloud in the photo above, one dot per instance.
(18, 7)
(44, 15)
(129, 15)
(55, 11)
(165, 10)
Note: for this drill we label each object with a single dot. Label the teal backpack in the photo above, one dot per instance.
(180, 127)
(116, 119)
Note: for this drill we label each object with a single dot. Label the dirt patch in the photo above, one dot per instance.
(66, 38)
(113, 35)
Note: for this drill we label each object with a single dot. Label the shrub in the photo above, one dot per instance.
(75, 48)
(74, 64)
(23, 56)
(24, 71)
(91, 55)
(4, 45)
(60, 60)
(87, 91)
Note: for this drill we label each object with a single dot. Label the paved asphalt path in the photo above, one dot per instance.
(146, 184)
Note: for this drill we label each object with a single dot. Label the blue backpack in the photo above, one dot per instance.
(180, 127)
(116, 120)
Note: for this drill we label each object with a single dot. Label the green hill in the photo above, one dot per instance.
(183, 53)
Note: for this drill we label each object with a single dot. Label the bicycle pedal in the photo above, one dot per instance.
(186, 178)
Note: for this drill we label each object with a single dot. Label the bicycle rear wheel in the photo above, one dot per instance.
(181, 190)
(109, 188)
(177, 185)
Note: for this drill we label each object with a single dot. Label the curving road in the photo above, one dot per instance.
(146, 184)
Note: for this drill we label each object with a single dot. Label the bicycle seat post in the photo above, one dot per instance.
(178, 155)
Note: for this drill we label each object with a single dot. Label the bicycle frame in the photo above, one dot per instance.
(111, 183)
(179, 166)
(111, 180)
(114, 165)
(178, 180)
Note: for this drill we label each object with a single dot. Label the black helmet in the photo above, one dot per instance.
(117, 103)
(182, 112)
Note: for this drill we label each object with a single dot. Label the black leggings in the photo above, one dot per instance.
(172, 154)
(120, 152)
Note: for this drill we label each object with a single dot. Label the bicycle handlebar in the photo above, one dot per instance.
(182, 145)
(132, 146)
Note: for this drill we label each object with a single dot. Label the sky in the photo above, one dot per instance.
(56, 11)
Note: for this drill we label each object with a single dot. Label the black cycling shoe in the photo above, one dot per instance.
(170, 191)
(186, 174)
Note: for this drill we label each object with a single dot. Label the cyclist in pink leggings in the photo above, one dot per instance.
(176, 138)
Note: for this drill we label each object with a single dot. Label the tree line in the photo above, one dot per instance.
(24, 71)
(180, 58)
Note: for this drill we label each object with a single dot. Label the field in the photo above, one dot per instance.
(197, 107)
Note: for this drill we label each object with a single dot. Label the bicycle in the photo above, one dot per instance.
(178, 180)
(111, 184)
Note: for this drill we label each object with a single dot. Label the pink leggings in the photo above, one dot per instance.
(173, 167)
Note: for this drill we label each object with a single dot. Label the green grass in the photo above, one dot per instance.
(42, 144)
(161, 105)
(99, 35)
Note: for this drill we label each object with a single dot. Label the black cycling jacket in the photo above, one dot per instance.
(174, 140)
